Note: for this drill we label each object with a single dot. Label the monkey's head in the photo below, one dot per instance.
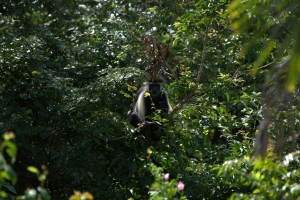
(155, 88)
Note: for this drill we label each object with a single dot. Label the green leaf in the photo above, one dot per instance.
(3, 194)
(177, 24)
(263, 56)
(5, 175)
(115, 160)
(44, 193)
(293, 73)
(33, 169)
(10, 187)
(8, 135)
(84, 142)
(11, 150)
(153, 10)
(10, 171)
(133, 168)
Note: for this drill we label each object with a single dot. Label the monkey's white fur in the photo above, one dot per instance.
(140, 104)
(140, 108)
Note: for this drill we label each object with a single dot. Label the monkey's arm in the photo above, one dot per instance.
(135, 119)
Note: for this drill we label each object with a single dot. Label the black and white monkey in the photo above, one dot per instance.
(144, 106)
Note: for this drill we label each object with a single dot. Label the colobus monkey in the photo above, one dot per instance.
(144, 106)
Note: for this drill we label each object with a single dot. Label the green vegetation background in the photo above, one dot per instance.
(69, 70)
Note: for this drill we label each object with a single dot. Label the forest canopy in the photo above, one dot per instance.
(70, 71)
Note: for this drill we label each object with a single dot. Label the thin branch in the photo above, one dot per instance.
(264, 66)
(187, 97)
(271, 98)
(170, 69)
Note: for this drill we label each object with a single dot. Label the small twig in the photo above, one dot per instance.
(170, 69)
(264, 66)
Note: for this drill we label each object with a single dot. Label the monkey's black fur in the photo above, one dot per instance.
(142, 107)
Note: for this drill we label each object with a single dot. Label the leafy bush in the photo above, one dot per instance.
(258, 178)
(8, 176)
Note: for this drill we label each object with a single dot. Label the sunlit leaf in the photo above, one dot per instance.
(33, 169)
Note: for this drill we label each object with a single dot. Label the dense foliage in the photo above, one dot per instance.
(69, 72)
